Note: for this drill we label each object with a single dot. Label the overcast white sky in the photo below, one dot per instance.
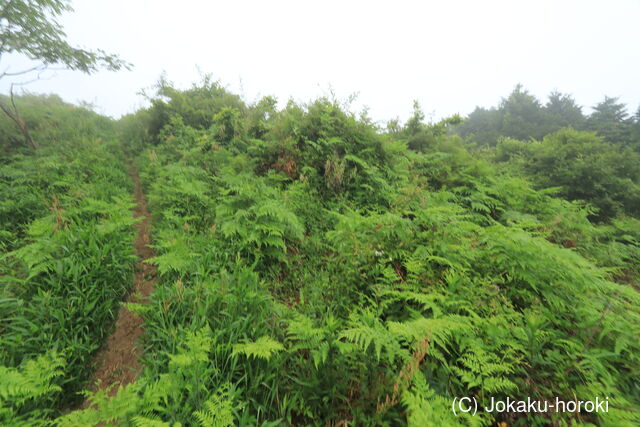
(450, 55)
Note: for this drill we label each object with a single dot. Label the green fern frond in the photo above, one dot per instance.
(427, 408)
(441, 331)
(31, 380)
(140, 421)
(366, 330)
(218, 410)
(263, 347)
(195, 349)
(105, 409)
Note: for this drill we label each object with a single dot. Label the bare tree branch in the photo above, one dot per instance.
(6, 73)
(15, 116)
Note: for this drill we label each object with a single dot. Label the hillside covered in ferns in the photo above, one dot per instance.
(316, 268)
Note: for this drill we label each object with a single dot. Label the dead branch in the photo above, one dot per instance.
(13, 113)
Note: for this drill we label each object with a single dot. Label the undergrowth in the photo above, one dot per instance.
(316, 270)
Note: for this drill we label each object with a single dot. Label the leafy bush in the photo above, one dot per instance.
(584, 168)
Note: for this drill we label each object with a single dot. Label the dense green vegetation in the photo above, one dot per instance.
(66, 243)
(595, 158)
(523, 116)
(315, 269)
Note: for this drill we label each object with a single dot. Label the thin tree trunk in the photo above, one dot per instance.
(13, 115)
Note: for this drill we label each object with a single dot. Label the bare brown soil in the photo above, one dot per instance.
(118, 361)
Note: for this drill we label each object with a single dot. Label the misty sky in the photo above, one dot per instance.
(450, 55)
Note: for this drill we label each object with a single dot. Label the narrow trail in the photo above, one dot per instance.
(118, 361)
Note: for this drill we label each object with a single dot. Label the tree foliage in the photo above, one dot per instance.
(522, 116)
(31, 28)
